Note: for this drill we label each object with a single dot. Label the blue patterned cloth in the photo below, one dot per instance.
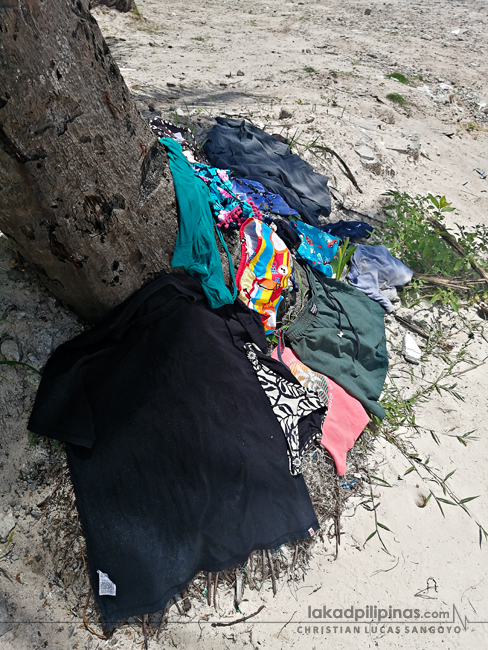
(317, 248)
(262, 198)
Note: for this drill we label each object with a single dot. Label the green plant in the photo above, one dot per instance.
(399, 77)
(444, 264)
(378, 527)
(309, 69)
(136, 13)
(344, 254)
(19, 363)
(400, 423)
(396, 98)
(34, 439)
(294, 139)
(4, 549)
(198, 38)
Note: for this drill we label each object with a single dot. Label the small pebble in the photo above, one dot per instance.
(10, 350)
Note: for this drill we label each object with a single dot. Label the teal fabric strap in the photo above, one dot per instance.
(195, 248)
(231, 264)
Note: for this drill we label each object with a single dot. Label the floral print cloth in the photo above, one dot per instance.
(228, 209)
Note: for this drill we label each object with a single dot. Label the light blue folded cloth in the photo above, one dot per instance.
(376, 272)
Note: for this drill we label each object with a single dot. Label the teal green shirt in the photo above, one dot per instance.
(196, 249)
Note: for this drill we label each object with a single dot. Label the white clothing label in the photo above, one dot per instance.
(105, 586)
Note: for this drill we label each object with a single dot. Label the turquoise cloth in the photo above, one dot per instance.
(317, 248)
(196, 249)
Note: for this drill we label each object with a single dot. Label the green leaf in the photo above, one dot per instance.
(384, 527)
(437, 501)
(19, 363)
(371, 536)
(377, 478)
(410, 469)
(449, 503)
(4, 549)
(435, 437)
(449, 475)
(469, 499)
(434, 201)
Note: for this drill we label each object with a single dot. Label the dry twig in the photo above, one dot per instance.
(273, 576)
(452, 241)
(411, 326)
(91, 630)
(209, 589)
(215, 590)
(239, 620)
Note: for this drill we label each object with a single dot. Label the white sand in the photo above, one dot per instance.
(194, 46)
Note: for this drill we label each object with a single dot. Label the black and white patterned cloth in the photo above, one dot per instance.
(290, 402)
(164, 129)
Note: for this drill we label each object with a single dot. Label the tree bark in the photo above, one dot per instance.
(86, 194)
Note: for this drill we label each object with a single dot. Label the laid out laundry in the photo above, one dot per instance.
(375, 271)
(196, 249)
(345, 419)
(340, 333)
(353, 229)
(184, 437)
(262, 198)
(316, 247)
(164, 129)
(252, 154)
(178, 461)
(229, 210)
(290, 403)
(264, 270)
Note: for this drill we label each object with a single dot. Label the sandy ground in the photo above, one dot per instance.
(326, 64)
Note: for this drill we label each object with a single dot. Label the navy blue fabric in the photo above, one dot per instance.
(286, 233)
(251, 153)
(352, 229)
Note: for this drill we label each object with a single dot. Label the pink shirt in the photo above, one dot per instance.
(346, 417)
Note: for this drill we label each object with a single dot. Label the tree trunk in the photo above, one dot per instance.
(86, 193)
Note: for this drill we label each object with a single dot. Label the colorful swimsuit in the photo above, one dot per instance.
(264, 270)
